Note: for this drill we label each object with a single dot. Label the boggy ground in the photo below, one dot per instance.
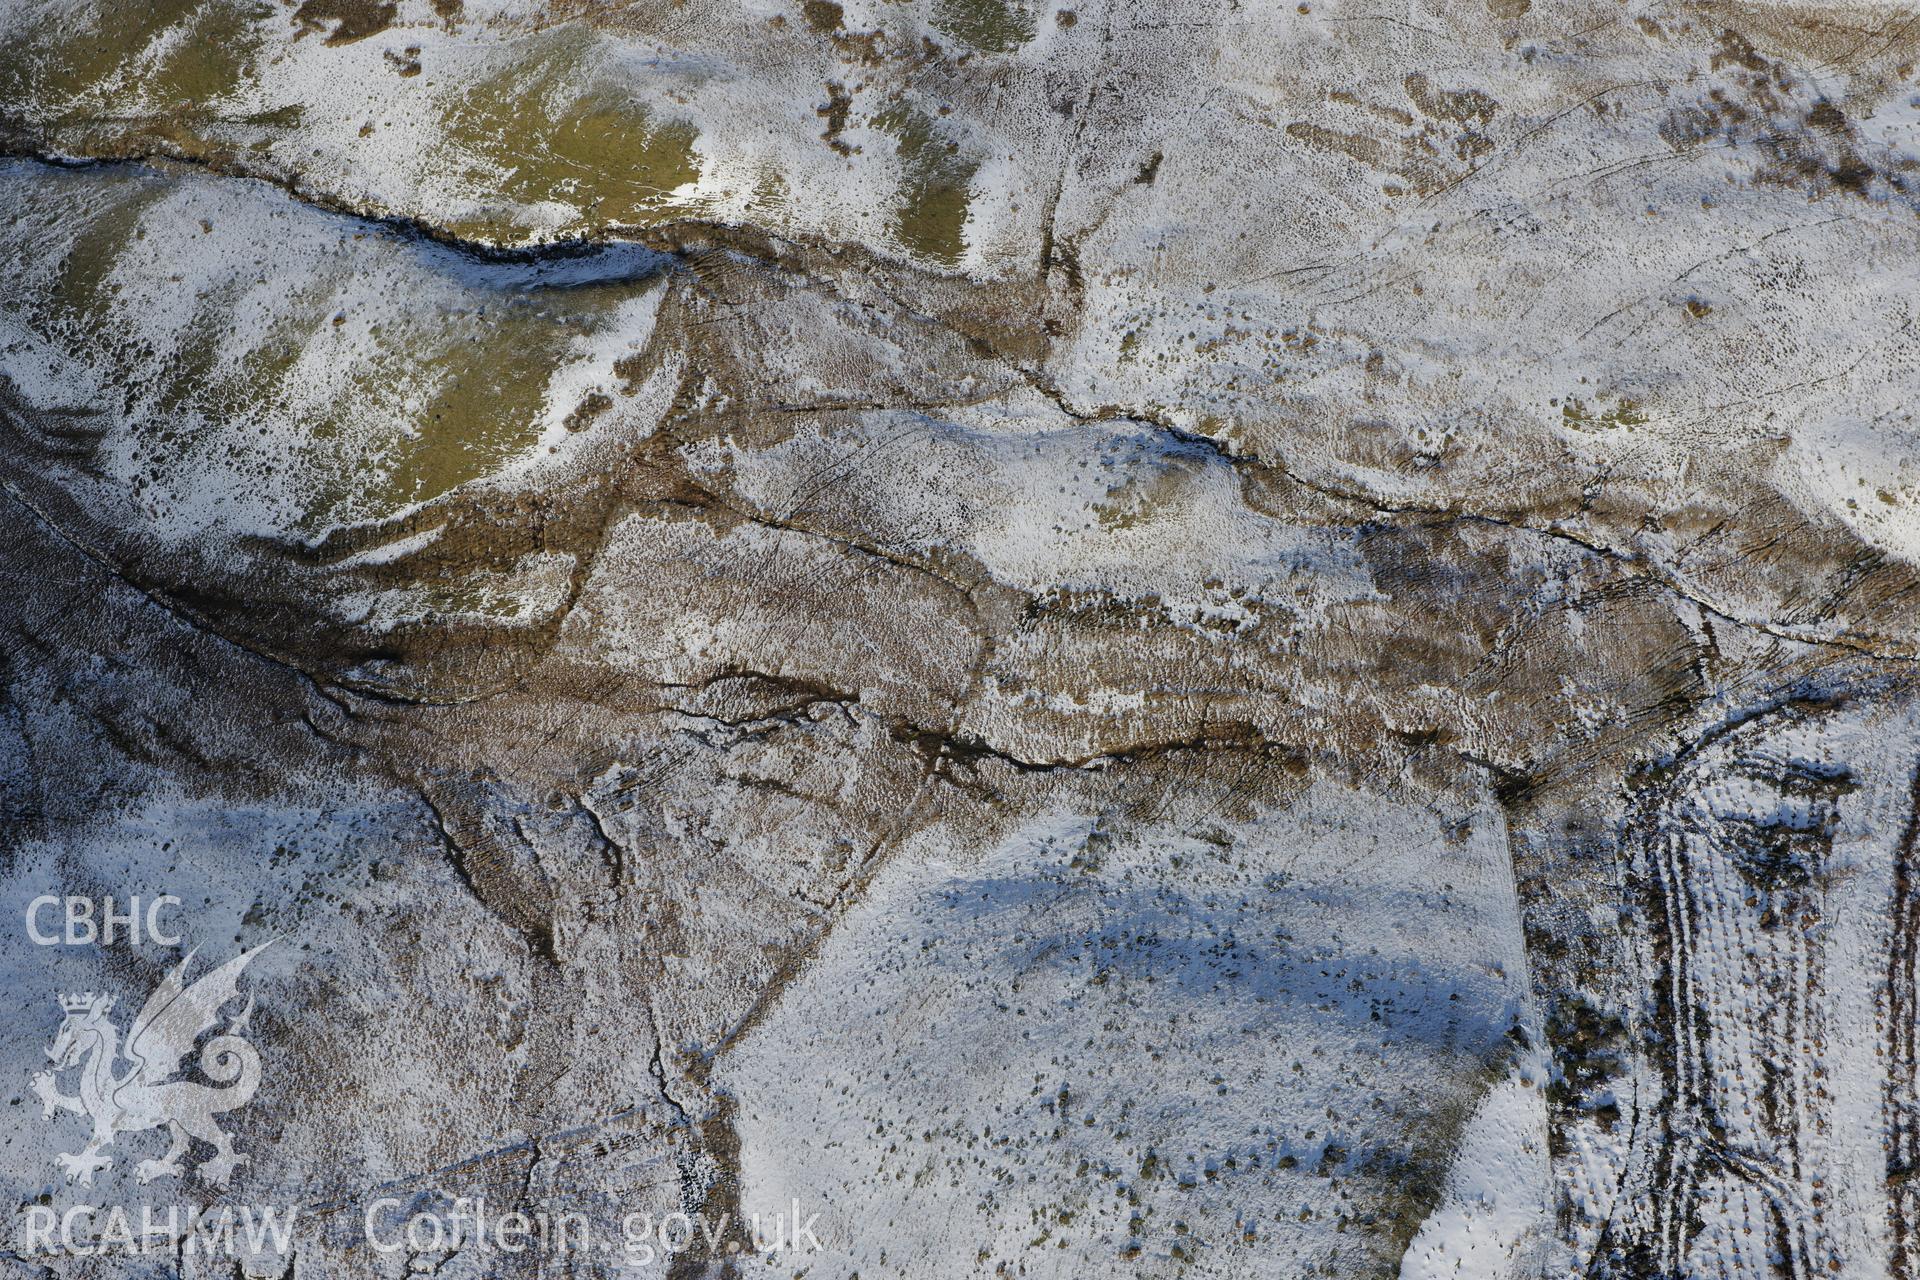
(1344, 732)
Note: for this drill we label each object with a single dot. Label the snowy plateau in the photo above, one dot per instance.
(1025, 639)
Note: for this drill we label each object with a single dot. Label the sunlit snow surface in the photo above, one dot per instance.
(1173, 640)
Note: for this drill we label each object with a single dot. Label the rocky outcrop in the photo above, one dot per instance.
(1087, 641)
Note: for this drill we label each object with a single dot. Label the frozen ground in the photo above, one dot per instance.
(1166, 640)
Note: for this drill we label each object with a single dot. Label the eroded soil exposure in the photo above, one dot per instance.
(1140, 640)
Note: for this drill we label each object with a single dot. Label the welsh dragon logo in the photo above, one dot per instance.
(145, 1094)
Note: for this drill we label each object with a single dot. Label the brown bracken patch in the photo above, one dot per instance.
(839, 103)
(353, 19)
(595, 404)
